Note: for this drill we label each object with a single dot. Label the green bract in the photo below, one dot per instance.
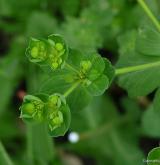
(32, 108)
(37, 50)
(58, 52)
(58, 115)
(51, 52)
(94, 72)
(53, 111)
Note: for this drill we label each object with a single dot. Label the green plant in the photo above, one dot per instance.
(60, 84)
(91, 73)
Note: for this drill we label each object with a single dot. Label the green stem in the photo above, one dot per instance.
(71, 68)
(104, 128)
(136, 68)
(149, 13)
(4, 158)
(71, 89)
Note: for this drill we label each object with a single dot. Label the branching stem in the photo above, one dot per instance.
(71, 89)
(136, 68)
(149, 13)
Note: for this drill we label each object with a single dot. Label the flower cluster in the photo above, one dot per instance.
(52, 51)
(51, 110)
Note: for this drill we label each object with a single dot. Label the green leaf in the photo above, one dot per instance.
(151, 122)
(11, 71)
(70, 7)
(137, 83)
(104, 133)
(37, 28)
(86, 31)
(79, 99)
(148, 42)
(57, 82)
(153, 157)
(4, 158)
(40, 148)
(156, 103)
(98, 86)
(109, 70)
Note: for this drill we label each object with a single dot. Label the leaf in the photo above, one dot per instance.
(148, 42)
(141, 82)
(4, 158)
(105, 134)
(79, 99)
(156, 103)
(109, 70)
(153, 157)
(40, 148)
(11, 71)
(37, 28)
(98, 86)
(69, 7)
(151, 122)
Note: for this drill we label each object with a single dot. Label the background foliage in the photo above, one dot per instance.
(114, 129)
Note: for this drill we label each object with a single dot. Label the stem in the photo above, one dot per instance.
(4, 158)
(71, 68)
(136, 68)
(104, 128)
(149, 13)
(71, 89)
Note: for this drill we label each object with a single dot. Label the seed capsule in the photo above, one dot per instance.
(34, 52)
(59, 46)
(28, 109)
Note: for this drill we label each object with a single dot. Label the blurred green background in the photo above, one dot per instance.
(113, 129)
